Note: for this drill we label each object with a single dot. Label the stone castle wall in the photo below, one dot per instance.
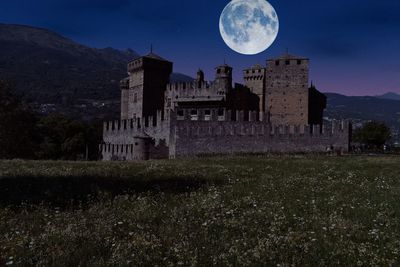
(136, 139)
(181, 136)
(225, 137)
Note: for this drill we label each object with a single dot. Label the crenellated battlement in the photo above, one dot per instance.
(183, 133)
(255, 135)
(188, 85)
(249, 123)
(190, 90)
(133, 125)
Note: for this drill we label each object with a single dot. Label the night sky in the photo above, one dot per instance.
(354, 46)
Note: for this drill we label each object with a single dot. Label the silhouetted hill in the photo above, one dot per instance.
(49, 68)
(390, 95)
(179, 77)
(363, 108)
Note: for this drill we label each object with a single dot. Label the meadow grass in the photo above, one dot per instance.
(226, 211)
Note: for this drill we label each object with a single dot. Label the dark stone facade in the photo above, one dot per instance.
(275, 111)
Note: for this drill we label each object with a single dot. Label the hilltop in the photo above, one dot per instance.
(50, 68)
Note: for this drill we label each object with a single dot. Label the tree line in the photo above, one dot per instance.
(26, 135)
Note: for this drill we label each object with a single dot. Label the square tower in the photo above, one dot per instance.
(254, 79)
(286, 90)
(148, 79)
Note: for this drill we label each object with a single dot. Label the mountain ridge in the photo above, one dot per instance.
(389, 95)
(50, 68)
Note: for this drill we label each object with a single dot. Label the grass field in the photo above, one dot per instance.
(226, 211)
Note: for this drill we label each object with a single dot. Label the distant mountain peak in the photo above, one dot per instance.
(389, 95)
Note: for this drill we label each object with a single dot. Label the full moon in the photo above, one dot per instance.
(249, 27)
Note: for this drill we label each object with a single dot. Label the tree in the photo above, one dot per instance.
(63, 138)
(373, 134)
(17, 126)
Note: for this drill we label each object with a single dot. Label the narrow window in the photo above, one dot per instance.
(207, 115)
(277, 63)
(287, 62)
(193, 115)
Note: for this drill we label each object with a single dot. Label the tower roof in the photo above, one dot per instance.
(152, 55)
(223, 66)
(288, 56)
(155, 56)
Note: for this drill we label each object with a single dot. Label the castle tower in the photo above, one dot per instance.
(254, 79)
(286, 87)
(124, 86)
(200, 78)
(223, 79)
(148, 78)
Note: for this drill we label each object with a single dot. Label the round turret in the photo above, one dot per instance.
(141, 150)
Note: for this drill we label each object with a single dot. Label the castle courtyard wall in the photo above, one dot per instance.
(227, 137)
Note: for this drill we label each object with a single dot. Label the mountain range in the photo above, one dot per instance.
(390, 96)
(49, 68)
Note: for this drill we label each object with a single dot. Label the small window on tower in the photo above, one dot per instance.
(287, 62)
(221, 114)
(207, 115)
(298, 62)
(277, 63)
(135, 98)
(193, 115)
(218, 71)
(180, 112)
(169, 102)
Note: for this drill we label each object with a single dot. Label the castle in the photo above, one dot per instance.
(274, 111)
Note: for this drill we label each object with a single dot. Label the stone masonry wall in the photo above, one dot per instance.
(287, 90)
(225, 137)
(138, 138)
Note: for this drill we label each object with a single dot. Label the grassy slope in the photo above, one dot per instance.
(245, 210)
